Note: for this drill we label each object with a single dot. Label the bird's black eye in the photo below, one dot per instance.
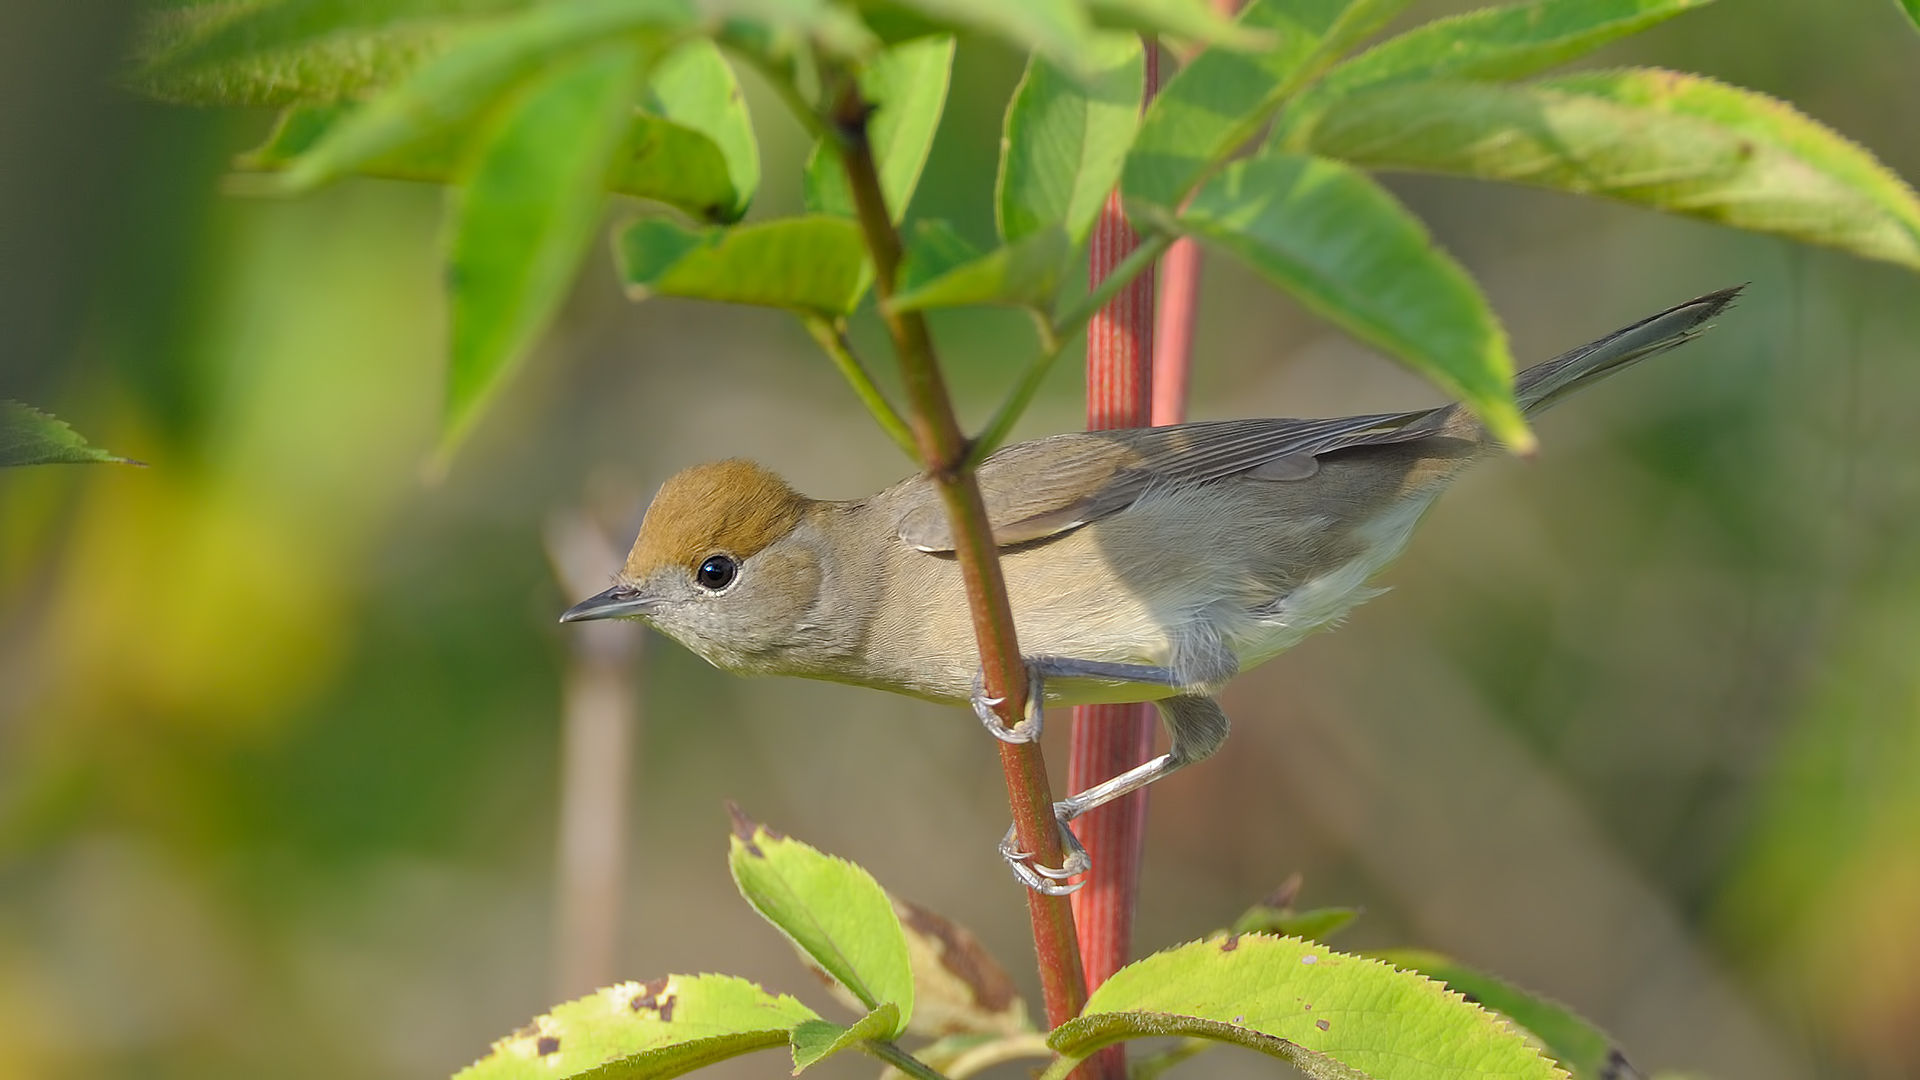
(717, 572)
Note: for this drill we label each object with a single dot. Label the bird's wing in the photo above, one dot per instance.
(1038, 489)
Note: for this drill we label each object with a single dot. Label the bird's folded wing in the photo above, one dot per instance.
(1039, 489)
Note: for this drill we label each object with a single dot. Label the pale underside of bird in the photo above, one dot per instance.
(1141, 565)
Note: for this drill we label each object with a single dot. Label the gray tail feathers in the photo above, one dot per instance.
(1544, 384)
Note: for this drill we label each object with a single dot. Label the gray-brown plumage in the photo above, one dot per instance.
(1142, 565)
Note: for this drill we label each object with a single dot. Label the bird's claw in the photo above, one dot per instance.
(1047, 880)
(1029, 728)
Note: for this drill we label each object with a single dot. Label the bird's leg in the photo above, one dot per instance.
(1197, 727)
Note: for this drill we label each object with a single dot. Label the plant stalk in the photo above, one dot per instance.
(943, 449)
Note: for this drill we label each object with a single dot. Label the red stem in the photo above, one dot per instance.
(1109, 739)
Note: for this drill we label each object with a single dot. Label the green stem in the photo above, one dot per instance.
(832, 336)
(900, 1059)
(1056, 336)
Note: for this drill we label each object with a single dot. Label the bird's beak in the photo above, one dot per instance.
(621, 601)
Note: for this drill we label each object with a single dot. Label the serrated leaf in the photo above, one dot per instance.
(1665, 140)
(475, 72)
(907, 86)
(1056, 29)
(814, 1041)
(1350, 252)
(1581, 1048)
(645, 1031)
(695, 88)
(31, 437)
(1329, 1014)
(296, 50)
(1025, 273)
(1184, 20)
(816, 264)
(1313, 924)
(1491, 44)
(1066, 139)
(831, 910)
(1219, 100)
(523, 220)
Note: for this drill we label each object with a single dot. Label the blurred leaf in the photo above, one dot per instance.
(1330, 1014)
(695, 88)
(933, 249)
(637, 1031)
(1185, 20)
(31, 437)
(658, 159)
(959, 986)
(1066, 139)
(814, 263)
(1349, 250)
(814, 1041)
(1912, 8)
(481, 67)
(1220, 99)
(1673, 142)
(1313, 924)
(523, 220)
(833, 911)
(296, 50)
(1056, 29)
(1492, 44)
(907, 87)
(1025, 272)
(778, 32)
(1582, 1049)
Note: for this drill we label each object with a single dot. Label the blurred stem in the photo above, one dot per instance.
(944, 452)
(1056, 336)
(832, 336)
(901, 1060)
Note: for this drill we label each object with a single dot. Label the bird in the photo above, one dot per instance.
(1150, 564)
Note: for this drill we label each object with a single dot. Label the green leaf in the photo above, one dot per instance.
(1056, 29)
(816, 264)
(1026, 273)
(524, 219)
(1582, 1049)
(907, 86)
(31, 437)
(475, 73)
(643, 1031)
(814, 1041)
(1330, 1014)
(1491, 44)
(933, 249)
(1912, 8)
(1352, 253)
(1067, 138)
(695, 88)
(1314, 924)
(1218, 101)
(830, 909)
(1665, 140)
(1184, 20)
(658, 159)
(296, 50)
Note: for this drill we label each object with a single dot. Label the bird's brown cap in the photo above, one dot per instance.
(733, 506)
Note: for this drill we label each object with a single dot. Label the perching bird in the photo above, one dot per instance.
(1143, 565)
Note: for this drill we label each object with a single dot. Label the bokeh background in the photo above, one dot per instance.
(1638, 725)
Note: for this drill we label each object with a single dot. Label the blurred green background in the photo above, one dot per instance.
(1638, 726)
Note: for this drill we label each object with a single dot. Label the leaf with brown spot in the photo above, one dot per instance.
(641, 1031)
